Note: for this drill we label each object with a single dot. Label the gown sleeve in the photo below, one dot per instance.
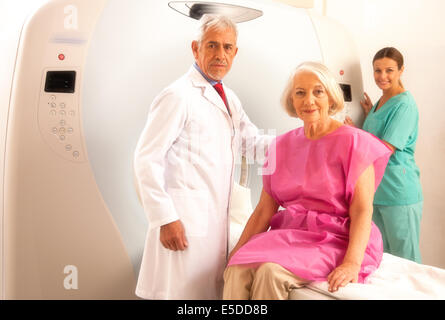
(365, 150)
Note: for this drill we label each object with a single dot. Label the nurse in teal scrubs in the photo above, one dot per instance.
(394, 119)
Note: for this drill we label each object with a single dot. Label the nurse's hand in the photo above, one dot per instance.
(366, 104)
(173, 236)
(342, 275)
(348, 121)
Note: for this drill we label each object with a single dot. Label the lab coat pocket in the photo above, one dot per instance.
(192, 207)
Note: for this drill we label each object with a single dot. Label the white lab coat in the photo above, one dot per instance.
(184, 165)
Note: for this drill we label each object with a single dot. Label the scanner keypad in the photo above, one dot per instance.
(60, 125)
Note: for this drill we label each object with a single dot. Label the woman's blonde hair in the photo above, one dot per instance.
(326, 78)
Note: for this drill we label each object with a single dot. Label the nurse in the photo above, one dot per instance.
(394, 118)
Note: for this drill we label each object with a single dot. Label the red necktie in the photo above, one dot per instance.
(219, 88)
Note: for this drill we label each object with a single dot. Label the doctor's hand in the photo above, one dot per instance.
(342, 275)
(366, 104)
(173, 236)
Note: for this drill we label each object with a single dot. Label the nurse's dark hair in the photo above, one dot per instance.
(391, 53)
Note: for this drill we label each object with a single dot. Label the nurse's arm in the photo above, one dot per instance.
(360, 213)
(389, 145)
(258, 221)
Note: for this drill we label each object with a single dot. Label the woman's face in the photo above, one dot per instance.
(310, 99)
(387, 74)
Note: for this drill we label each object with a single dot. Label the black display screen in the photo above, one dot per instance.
(60, 81)
(346, 92)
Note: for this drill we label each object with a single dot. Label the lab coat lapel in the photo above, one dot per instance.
(208, 91)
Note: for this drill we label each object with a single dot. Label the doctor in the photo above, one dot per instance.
(184, 164)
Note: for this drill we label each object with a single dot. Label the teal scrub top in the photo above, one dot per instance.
(396, 122)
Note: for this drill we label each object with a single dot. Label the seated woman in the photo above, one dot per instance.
(325, 175)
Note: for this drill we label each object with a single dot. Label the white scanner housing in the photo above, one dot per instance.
(85, 75)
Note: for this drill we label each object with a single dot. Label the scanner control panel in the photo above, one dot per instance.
(59, 119)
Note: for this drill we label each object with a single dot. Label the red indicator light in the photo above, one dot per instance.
(342, 72)
(61, 56)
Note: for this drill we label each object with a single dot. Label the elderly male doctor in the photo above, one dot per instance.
(184, 164)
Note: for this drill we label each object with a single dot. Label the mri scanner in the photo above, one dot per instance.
(84, 77)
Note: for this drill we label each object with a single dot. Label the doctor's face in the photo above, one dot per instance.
(310, 98)
(215, 53)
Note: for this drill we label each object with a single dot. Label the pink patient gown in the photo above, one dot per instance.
(314, 182)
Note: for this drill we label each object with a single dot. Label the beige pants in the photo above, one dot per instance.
(268, 281)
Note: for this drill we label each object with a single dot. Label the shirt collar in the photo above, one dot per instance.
(212, 82)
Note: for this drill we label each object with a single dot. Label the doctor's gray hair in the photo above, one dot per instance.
(214, 21)
(326, 78)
